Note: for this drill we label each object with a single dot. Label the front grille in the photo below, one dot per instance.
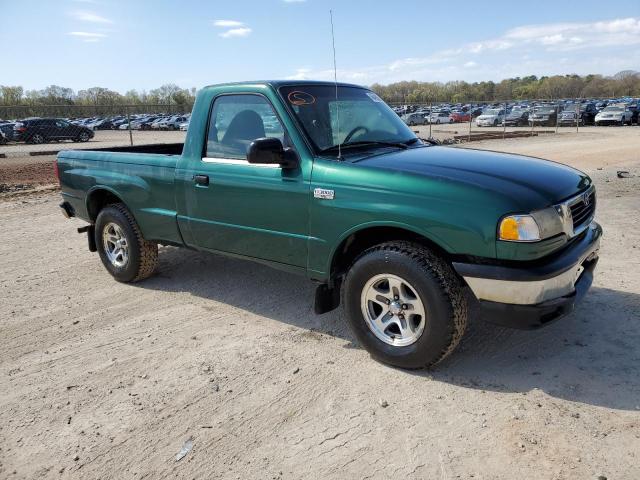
(581, 211)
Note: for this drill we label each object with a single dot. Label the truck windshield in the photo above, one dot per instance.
(359, 117)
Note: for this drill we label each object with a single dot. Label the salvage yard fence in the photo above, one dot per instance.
(467, 128)
(30, 130)
(122, 125)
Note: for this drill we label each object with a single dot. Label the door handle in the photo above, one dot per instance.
(201, 179)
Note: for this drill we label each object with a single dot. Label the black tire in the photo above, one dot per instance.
(37, 139)
(83, 137)
(142, 254)
(436, 285)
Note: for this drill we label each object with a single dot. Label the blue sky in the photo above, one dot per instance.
(142, 44)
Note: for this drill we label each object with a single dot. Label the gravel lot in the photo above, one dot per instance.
(104, 380)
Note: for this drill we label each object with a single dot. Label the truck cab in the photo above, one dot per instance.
(326, 181)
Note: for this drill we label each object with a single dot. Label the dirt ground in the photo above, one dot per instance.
(104, 380)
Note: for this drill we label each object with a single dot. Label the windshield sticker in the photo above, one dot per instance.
(374, 97)
(301, 98)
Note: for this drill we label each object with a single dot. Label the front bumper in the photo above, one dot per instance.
(535, 295)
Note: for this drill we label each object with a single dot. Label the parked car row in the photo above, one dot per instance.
(135, 122)
(622, 111)
(154, 122)
(42, 130)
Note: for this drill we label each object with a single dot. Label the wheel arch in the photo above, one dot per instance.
(98, 198)
(356, 241)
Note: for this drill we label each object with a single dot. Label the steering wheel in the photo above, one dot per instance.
(352, 133)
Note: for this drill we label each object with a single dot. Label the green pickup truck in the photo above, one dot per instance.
(326, 181)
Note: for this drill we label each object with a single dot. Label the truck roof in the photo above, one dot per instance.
(281, 83)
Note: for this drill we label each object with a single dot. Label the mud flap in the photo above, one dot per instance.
(327, 298)
(90, 230)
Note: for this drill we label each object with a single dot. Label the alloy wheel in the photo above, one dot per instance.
(393, 310)
(115, 245)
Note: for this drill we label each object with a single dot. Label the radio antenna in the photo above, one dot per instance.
(335, 80)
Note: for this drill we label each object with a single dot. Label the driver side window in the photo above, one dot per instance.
(236, 121)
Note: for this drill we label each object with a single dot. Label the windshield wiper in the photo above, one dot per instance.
(361, 143)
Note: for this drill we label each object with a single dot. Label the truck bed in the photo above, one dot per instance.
(141, 176)
(156, 148)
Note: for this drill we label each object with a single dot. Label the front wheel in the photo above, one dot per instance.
(405, 305)
(126, 255)
(83, 137)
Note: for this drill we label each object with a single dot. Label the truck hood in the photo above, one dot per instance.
(530, 183)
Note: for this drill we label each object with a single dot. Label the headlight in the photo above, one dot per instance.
(538, 225)
(519, 228)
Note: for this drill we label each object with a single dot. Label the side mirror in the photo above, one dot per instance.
(271, 151)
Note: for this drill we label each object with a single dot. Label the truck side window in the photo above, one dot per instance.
(237, 120)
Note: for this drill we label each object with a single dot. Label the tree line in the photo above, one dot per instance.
(625, 83)
(169, 94)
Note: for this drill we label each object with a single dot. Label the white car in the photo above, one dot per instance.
(184, 126)
(158, 124)
(174, 123)
(438, 118)
(614, 115)
(491, 117)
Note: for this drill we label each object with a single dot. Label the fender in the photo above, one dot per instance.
(399, 225)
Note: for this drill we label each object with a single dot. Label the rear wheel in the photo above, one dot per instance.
(405, 305)
(126, 255)
(37, 138)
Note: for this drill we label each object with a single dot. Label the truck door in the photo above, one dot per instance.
(252, 210)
